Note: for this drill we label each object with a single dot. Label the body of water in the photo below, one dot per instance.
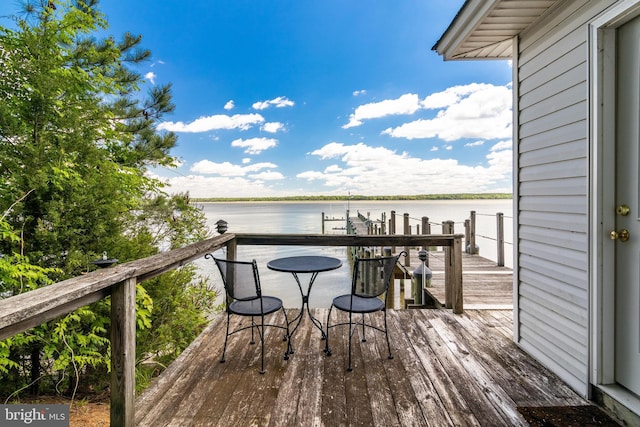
(306, 218)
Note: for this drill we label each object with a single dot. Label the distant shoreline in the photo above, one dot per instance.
(459, 196)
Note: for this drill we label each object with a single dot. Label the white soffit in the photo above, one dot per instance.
(484, 29)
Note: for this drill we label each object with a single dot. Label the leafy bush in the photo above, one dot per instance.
(76, 139)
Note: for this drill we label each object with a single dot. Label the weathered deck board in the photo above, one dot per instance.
(447, 369)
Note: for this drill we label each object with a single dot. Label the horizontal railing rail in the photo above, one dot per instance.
(346, 240)
(24, 311)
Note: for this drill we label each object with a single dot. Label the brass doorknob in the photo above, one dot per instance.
(622, 235)
(623, 210)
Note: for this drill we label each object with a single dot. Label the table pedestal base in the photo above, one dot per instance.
(305, 303)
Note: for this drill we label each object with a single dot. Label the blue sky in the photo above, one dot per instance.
(298, 97)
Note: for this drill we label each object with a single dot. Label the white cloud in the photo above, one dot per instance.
(267, 176)
(222, 186)
(332, 169)
(475, 111)
(501, 161)
(151, 76)
(502, 145)
(272, 127)
(210, 179)
(358, 168)
(230, 105)
(208, 167)
(311, 175)
(406, 104)
(452, 95)
(279, 102)
(365, 170)
(254, 145)
(478, 113)
(215, 122)
(474, 144)
(359, 92)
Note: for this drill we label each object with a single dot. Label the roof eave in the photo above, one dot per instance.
(472, 13)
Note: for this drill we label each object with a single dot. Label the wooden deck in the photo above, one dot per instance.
(457, 370)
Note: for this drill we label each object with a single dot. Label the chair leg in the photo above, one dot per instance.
(386, 333)
(327, 350)
(364, 336)
(261, 333)
(226, 338)
(287, 337)
(253, 325)
(350, 368)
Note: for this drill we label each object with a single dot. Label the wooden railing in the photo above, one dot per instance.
(424, 226)
(21, 312)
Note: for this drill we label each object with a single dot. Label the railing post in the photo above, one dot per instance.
(407, 232)
(322, 222)
(348, 224)
(456, 273)
(232, 250)
(426, 229)
(447, 228)
(367, 273)
(472, 233)
(500, 238)
(392, 228)
(123, 352)
(467, 234)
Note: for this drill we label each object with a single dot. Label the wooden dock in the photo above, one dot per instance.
(485, 284)
(448, 370)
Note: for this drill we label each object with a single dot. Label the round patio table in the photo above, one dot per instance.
(305, 264)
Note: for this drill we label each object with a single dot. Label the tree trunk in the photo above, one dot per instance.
(34, 388)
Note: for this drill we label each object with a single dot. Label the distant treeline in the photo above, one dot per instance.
(458, 196)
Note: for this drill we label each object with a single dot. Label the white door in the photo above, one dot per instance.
(627, 310)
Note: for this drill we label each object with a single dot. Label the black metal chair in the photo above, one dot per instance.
(244, 298)
(369, 294)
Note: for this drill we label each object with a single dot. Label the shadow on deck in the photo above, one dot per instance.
(448, 370)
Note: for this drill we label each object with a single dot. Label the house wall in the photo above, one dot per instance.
(553, 191)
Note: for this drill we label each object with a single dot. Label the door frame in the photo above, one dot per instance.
(602, 78)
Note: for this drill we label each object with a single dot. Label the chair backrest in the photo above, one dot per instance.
(371, 276)
(241, 279)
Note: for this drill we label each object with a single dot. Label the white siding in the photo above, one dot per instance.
(553, 215)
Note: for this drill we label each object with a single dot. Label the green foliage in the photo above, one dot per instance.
(76, 139)
(182, 308)
(5, 360)
(78, 339)
(73, 118)
(17, 275)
